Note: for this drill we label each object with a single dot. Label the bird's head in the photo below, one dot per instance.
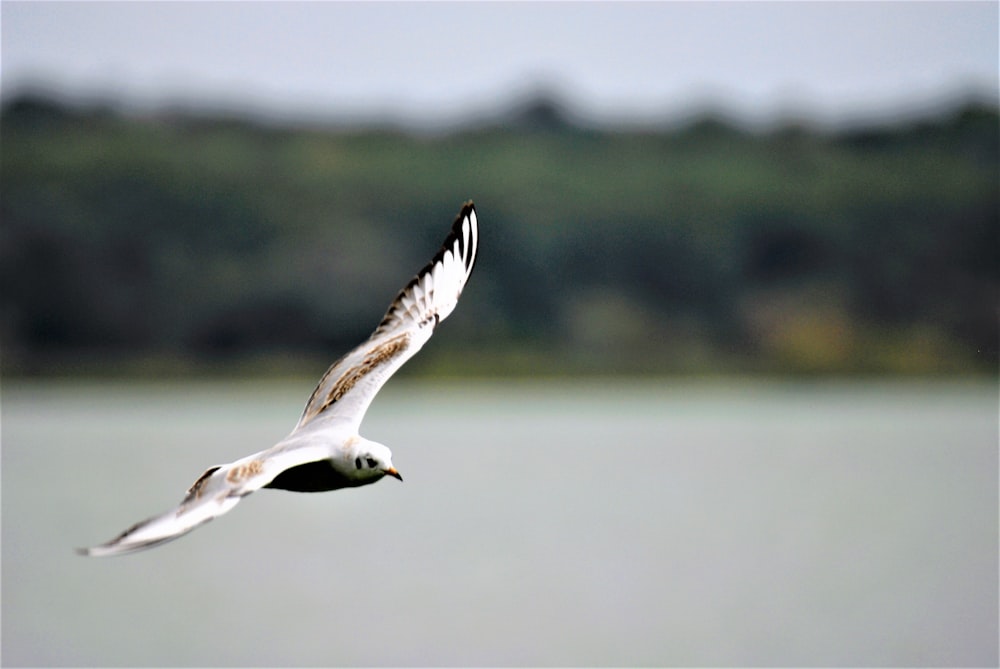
(371, 459)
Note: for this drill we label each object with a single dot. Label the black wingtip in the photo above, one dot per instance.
(468, 211)
(468, 207)
(456, 234)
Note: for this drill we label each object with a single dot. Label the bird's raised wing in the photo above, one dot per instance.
(350, 384)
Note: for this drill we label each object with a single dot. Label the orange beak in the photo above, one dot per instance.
(391, 471)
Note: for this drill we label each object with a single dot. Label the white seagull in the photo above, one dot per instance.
(325, 451)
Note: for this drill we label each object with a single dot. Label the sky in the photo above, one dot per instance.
(439, 63)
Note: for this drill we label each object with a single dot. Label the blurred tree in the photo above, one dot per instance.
(702, 248)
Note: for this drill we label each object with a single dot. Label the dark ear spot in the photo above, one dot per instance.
(357, 463)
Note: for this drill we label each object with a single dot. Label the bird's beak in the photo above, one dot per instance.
(391, 471)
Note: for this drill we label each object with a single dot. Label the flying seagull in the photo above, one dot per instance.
(325, 451)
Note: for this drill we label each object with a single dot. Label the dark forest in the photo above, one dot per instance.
(181, 243)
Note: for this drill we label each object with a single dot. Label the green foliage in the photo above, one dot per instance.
(701, 249)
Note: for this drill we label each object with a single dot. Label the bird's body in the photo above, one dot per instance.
(324, 451)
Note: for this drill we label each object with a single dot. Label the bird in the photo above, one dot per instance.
(324, 451)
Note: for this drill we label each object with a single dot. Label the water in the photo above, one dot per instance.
(585, 524)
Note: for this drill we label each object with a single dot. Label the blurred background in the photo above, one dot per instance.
(751, 246)
(727, 188)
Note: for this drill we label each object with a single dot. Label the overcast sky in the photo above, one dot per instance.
(431, 62)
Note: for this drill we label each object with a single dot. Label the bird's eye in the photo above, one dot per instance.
(371, 462)
(357, 463)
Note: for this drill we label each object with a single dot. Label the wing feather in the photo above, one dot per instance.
(213, 494)
(348, 387)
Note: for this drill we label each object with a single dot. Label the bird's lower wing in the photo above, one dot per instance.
(215, 492)
(165, 527)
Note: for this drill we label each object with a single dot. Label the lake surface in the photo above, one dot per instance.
(594, 523)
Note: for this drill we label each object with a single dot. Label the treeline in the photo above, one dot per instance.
(175, 242)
